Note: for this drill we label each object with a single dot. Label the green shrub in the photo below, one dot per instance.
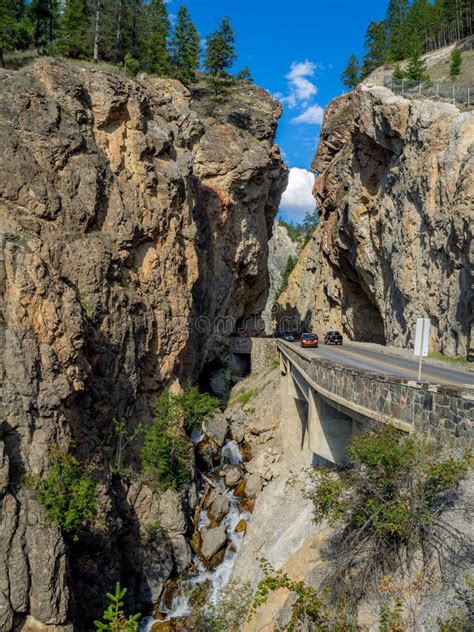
(389, 506)
(131, 65)
(124, 437)
(230, 612)
(455, 67)
(114, 617)
(167, 453)
(307, 610)
(67, 493)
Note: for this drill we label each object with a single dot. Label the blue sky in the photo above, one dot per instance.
(296, 50)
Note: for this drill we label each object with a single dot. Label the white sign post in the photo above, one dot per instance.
(422, 339)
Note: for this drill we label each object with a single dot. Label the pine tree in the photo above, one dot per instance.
(220, 55)
(376, 47)
(416, 69)
(351, 75)
(456, 61)
(157, 59)
(8, 20)
(395, 22)
(75, 39)
(244, 74)
(185, 48)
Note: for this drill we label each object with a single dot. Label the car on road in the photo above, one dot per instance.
(288, 336)
(333, 338)
(309, 340)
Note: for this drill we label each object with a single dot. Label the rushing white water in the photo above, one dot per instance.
(218, 577)
(230, 453)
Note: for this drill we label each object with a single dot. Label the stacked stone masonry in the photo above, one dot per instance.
(444, 412)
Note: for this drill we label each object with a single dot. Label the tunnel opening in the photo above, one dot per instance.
(213, 379)
(240, 364)
(360, 313)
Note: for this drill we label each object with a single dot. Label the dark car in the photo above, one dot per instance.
(309, 340)
(333, 338)
(288, 336)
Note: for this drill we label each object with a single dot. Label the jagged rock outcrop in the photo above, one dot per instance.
(133, 216)
(395, 191)
(281, 247)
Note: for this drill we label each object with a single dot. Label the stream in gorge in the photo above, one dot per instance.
(204, 582)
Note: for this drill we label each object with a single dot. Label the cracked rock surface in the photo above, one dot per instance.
(133, 216)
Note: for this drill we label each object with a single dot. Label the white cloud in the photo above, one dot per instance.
(298, 198)
(301, 89)
(313, 115)
(301, 69)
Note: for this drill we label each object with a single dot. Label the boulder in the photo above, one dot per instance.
(181, 553)
(195, 542)
(212, 541)
(241, 526)
(232, 474)
(253, 485)
(208, 452)
(172, 517)
(237, 431)
(217, 559)
(219, 506)
(215, 427)
(239, 491)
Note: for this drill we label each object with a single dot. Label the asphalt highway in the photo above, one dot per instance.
(377, 358)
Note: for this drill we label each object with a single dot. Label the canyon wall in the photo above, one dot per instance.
(395, 193)
(134, 216)
(281, 247)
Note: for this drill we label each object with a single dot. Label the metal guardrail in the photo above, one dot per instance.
(432, 90)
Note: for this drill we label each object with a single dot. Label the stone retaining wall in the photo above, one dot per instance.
(444, 412)
(264, 352)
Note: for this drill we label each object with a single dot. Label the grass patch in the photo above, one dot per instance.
(458, 360)
(246, 396)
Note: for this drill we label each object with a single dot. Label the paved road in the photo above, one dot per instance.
(374, 357)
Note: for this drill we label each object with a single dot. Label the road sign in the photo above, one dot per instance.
(422, 340)
(422, 336)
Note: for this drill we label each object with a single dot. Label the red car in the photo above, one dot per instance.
(309, 340)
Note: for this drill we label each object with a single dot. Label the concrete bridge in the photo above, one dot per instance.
(328, 403)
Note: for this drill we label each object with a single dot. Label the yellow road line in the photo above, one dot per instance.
(397, 366)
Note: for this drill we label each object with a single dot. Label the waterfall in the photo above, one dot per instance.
(230, 454)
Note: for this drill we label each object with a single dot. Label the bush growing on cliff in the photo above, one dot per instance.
(68, 493)
(167, 452)
(390, 508)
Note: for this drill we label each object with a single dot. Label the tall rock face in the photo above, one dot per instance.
(281, 248)
(395, 191)
(133, 217)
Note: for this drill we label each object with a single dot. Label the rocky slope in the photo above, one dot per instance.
(133, 216)
(281, 247)
(395, 191)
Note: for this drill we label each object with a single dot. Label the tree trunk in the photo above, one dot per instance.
(118, 34)
(96, 31)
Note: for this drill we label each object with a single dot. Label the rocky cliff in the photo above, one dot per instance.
(395, 192)
(134, 216)
(280, 247)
